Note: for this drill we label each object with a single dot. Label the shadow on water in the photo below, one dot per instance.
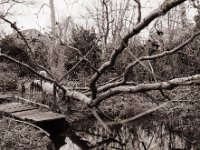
(142, 135)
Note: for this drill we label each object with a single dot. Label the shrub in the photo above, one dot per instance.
(8, 78)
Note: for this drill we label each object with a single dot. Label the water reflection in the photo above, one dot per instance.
(152, 136)
(70, 145)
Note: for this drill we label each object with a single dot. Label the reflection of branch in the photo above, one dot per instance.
(161, 10)
(150, 141)
(106, 141)
(103, 124)
(143, 144)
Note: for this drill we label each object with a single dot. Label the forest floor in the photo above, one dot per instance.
(20, 136)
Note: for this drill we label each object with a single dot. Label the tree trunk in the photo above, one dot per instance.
(53, 29)
(53, 16)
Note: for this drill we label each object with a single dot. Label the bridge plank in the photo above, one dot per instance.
(53, 123)
(37, 115)
(15, 107)
(31, 113)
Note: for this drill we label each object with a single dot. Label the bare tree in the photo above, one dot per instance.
(98, 93)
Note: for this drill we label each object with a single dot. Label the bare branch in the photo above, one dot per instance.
(145, 66)
(79, 96)
(177, 99)
(163, 9)
(13, 25)
(30, 69)
(128, 68)
(66, 92)
(24, 100)
(79, 60)
(26, 42)
(7, 11)
(168, 85)
(29, 124)
(84, 57)
(141, 114)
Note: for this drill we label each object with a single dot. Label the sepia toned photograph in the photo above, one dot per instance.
(99, 74)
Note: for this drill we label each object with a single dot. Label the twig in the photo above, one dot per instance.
(77, 62)
(44, 4)
(150, 142)
(164, 95)
(140, 115)
(151, 71)
(84, 57)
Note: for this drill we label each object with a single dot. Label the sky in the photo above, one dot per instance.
(26, 16)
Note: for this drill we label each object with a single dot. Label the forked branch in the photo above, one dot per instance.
(127, 89)
(163, 9)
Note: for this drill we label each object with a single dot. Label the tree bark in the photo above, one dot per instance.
(53, 29)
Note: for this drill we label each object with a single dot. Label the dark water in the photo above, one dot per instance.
(147, 135)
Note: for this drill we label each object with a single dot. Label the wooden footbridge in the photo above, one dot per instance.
(53, 123)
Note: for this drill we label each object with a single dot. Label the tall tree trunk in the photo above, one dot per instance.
(53, 29)
(53, 16)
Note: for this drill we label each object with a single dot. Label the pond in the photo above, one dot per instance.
(143, 135)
